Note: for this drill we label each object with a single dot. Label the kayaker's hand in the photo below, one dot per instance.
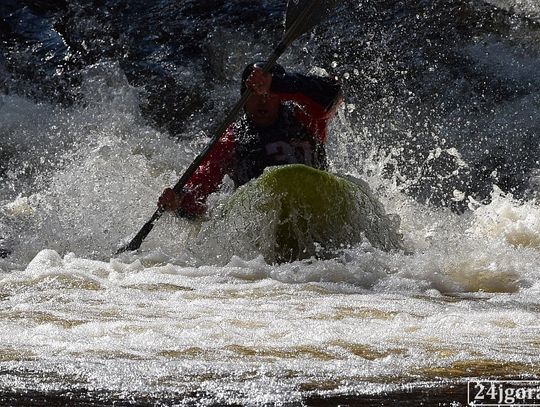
(259, 82)
(170, 200)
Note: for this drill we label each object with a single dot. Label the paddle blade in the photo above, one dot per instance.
(141, 235)
(303, 15)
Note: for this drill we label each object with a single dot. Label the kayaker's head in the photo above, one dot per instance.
(262, 107)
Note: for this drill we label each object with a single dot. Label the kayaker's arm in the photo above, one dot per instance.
(205, 180)
(307, 90)
(319, 98)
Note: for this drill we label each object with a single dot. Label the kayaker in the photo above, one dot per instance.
(285, 122)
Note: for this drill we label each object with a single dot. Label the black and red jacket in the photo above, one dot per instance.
(244, 150)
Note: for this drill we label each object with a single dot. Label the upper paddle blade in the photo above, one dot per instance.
(303, 15)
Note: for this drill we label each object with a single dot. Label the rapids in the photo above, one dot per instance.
(446, 136)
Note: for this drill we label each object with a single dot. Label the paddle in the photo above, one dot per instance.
(302, 15)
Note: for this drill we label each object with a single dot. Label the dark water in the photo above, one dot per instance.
(427, 395)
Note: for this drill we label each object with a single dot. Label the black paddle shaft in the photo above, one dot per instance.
(301, 17)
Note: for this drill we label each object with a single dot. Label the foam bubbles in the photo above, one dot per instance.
(518, 223)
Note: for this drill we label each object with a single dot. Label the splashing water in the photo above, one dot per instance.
(163, 322)
(186, 320)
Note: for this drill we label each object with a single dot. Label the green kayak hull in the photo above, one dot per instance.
(296, 212)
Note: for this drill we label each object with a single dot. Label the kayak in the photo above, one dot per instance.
(296, 212)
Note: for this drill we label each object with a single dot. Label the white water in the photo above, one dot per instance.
(179, 317)
(528, 8)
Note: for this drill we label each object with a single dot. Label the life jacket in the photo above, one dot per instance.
(287, 141)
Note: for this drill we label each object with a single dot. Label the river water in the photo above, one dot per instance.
(191, 319)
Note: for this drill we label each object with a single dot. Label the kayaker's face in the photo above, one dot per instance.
(263, 110)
